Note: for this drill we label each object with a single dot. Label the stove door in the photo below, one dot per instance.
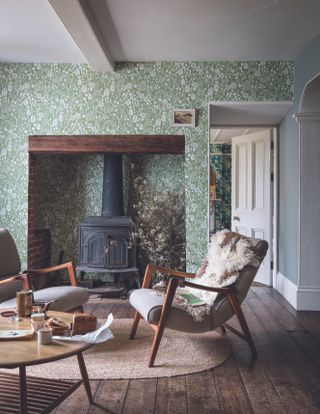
(92, 247)
(117, 256)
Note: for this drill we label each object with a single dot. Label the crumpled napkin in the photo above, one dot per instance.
(102, 334)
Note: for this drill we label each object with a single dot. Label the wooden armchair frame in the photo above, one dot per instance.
(68, 265)
(20, 276)
(26, 275)
(178, 278)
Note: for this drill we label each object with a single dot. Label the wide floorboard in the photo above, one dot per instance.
(285, 378)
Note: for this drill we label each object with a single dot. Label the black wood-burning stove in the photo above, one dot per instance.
(105, 243)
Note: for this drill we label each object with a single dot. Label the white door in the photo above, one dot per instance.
(251, 191)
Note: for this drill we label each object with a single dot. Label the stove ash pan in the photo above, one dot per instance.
(105, 244)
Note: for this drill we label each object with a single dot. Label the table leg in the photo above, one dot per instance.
(23, 390)
(84, 375)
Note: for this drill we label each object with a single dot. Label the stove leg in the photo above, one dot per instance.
(118, 277)
(137, 279)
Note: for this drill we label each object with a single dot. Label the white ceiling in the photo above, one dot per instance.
(153, 30)
(224, 136)
(213, 29)
(30, 31)
(236, 114)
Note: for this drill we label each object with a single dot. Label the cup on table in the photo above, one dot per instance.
(37, 320)
(44, 336)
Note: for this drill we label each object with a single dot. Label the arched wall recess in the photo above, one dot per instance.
(308, 293)
(310, 100)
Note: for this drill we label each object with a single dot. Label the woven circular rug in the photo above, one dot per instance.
(120, 358)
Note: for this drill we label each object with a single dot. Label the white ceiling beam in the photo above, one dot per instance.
(217, 134)
(84, 33)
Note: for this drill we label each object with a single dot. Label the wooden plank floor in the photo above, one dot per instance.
(285, 378)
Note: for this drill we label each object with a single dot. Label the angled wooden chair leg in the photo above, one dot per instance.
(172, 286)
(242, 321)
(135, 324)
(155, 344)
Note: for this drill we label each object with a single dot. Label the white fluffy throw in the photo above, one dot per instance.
(228, 253)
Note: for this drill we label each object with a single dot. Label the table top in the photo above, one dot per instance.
(14, 353)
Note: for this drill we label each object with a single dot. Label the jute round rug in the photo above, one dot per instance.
(120, 358)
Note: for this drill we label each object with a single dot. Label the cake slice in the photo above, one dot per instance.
(83, 323)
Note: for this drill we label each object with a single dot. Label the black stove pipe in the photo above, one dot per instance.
(112, 195)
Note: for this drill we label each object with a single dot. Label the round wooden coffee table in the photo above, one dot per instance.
(41, 394)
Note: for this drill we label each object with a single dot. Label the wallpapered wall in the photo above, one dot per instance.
(137, 98)
(220, 160)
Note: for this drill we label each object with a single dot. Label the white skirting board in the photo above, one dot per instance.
(287, 289)
(304, 298)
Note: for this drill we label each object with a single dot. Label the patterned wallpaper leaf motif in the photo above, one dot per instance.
(220, 161)
(137, 98)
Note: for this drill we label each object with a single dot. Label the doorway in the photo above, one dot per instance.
(252, 166)
(240, 185)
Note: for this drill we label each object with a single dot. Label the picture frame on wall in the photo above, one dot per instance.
(184, 117)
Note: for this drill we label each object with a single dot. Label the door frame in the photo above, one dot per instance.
(274, 165)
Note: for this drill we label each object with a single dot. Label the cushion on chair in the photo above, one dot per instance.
(68, 297)
(9, 258)
(149, 305)
(222, 310)
(10, 265)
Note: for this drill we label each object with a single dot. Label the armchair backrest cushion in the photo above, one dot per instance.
(9, 258)
(248, 273)
(9, 291)
(222, 310)
(9, 265)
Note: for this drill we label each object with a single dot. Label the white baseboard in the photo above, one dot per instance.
(308, 298)
(287, 289)
(303, 298)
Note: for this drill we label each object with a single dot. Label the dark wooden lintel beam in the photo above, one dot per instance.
(102, 144)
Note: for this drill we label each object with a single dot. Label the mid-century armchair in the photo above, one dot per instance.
(160, 313)
(12, 280)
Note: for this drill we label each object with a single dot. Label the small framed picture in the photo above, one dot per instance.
(184, 117)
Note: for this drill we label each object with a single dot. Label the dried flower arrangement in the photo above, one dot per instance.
(159, 218)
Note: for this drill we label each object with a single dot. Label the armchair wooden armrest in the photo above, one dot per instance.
(152, 267)
(23, 277)
(227, 289)
(177, 273)
(68, 265)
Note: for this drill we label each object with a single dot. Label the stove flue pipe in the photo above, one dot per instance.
(112, 195)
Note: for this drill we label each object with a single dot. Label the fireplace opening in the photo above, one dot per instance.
(67, 175)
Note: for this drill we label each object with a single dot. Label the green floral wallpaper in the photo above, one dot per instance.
(220, 161)
(137, 98)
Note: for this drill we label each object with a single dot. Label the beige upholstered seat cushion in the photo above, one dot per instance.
(68, 297)
(149, 305)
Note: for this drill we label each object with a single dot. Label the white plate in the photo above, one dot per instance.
(16, 334)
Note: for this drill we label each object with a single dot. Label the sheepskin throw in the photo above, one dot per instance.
(228, 253)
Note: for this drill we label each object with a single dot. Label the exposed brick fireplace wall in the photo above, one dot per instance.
(39, 242)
